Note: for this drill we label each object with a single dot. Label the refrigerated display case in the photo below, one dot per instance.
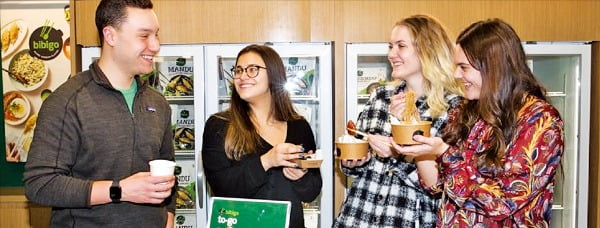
(205, 67)
(309, 81)
(367, 66)
(564, 68)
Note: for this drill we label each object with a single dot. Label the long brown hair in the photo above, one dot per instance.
(242, 137)
(494, 49)
(435, 52)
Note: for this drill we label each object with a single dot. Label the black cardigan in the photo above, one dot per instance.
(247, 179)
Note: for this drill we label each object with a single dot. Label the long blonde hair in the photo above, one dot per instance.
(436, 54)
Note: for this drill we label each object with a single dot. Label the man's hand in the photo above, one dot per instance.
(143, 188)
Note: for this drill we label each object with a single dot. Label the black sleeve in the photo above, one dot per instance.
(226, 177)
(309, 186)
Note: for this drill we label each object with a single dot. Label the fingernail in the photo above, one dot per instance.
(296, 166)
(302, 149)
(300, 156)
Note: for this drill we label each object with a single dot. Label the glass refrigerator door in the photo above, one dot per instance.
(309, 81)
(565, 70)
(178, 70)
(367, 67)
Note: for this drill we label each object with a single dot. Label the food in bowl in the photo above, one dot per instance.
(26, 69)
(410, 123)
(10, 35)
(308, 160)
(403, 132)
(348, 147)
(16, 108)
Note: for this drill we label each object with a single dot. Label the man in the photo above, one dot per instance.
(97, 132)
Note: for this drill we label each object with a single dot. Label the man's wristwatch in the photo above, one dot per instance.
(115, 191)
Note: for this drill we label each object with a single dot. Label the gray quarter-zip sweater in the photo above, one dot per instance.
(85, 132)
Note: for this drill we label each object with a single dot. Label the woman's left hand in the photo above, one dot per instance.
(294, 173)
(431, 146)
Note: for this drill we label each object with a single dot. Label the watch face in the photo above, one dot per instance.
(115, 193)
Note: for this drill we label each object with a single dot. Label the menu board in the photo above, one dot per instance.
(36, 55)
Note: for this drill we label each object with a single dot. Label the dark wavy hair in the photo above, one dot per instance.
(242, 137)
(494, 49)
(112, 13)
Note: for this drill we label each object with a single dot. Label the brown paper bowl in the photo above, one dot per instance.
(404, 131)
(308, 163)
(357, 150)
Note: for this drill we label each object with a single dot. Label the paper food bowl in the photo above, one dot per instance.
(404, 131)
(308, 163)
(354, 150)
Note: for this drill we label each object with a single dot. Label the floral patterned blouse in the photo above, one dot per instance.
(517, 195)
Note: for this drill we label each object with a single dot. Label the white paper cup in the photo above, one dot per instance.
(162, 168)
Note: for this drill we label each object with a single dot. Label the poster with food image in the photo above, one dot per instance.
(301, 75)
(183, 126)
(185, 172)
(369, 78)
(35, 52)
(175, 76)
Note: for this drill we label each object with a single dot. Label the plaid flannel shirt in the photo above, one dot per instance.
(386, 192)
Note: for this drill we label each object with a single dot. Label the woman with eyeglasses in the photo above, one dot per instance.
(247, 149)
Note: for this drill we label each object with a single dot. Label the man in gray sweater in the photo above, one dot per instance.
(97, 132)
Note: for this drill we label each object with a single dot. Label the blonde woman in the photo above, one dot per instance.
(386, 191)
(501, 150)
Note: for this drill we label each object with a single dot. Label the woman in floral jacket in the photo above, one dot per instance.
(499, 153)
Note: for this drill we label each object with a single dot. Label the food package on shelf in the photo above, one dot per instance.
(185, 172)
(176, 76)
(183, 126)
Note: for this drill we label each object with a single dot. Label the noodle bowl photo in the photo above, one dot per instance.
(27, 72)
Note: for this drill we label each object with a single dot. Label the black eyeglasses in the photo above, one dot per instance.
(251, 71)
